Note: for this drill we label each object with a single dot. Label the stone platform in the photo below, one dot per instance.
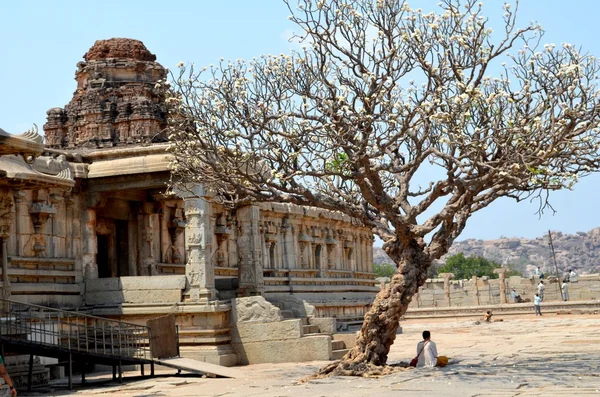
(526, 356)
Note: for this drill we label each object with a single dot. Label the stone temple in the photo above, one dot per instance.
(85, 224)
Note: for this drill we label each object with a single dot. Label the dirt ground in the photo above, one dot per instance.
(553, 355)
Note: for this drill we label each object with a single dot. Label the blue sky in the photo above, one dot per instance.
(42, 41)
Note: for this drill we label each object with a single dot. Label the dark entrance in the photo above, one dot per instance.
(122, 248)
(102, 256)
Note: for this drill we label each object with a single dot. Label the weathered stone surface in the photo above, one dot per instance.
(279, 351)
(326, 325)
(139, 296)
(119, 48)
(254, 309)
(260, 332)
(299, 307)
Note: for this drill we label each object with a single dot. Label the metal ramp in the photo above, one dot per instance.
(72, 336)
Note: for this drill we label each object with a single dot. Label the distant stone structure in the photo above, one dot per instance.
(85, 224)
(445, 292)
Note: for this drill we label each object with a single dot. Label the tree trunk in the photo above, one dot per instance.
(378, 332)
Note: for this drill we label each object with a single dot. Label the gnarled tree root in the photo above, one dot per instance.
(357, 368)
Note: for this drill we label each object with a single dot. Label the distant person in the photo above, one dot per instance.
(541, 287)
(427, 351)
(565, 290)
(515, 296)
(538, 272)
(567, 276)
(536, 304)
(6, 377)
(573, 276)
(488, 316)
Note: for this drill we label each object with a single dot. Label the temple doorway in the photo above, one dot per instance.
(113, 248)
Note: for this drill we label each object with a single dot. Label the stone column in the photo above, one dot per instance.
(55, 199)
(447, 277)
(501, 272)
(199, 268)
(6, 290)
(150, 240)
(69, 236)
(370, 241)
(89, 244)
(475, 291)
(20, 201)
(289, 249)
(249, 251)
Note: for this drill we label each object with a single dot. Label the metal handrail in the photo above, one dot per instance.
(69, 312)
(73, 331)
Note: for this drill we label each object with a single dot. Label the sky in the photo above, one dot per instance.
(42, 41)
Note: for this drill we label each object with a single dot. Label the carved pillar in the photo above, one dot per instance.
(150, 244)
(501, 272)
(6, 219)
(199, 268)
(286, 237)
(20, 212)
(331, 243)
(249, 251)
(53, 251)
(370, 241)
(447, 277)
(69, 236)
(89, 243)
(475, 291)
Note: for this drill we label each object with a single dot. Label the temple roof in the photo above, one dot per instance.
(30, 142)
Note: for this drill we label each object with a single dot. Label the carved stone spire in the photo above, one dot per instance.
(116, 102)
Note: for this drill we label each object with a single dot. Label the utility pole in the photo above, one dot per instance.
(555, 264)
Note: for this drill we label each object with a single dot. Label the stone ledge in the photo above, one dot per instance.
(140, 309)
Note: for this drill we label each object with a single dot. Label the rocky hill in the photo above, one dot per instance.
(580, 251)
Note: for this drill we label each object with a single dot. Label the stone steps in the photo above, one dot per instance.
(337, 345)
(310, 329)
(338, 349)
(338, 354)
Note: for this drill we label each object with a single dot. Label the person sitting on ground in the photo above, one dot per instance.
(488, 316)
(427, 353)
(516, 297)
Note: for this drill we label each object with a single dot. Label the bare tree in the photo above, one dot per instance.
(380, 97)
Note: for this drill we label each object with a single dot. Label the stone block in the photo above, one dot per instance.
(139, 296)
(326, 325)
(260, 332)
(309, 348)
(153, 282)
(254, 309)
(349, 339)
(103, 284)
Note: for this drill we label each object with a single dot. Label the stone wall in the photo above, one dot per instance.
(484, 291)
(44, 247)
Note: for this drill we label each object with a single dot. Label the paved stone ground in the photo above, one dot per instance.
(520, 356)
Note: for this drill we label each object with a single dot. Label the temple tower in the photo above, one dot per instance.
(116, 102)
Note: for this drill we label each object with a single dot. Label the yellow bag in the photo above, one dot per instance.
(442, 361)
